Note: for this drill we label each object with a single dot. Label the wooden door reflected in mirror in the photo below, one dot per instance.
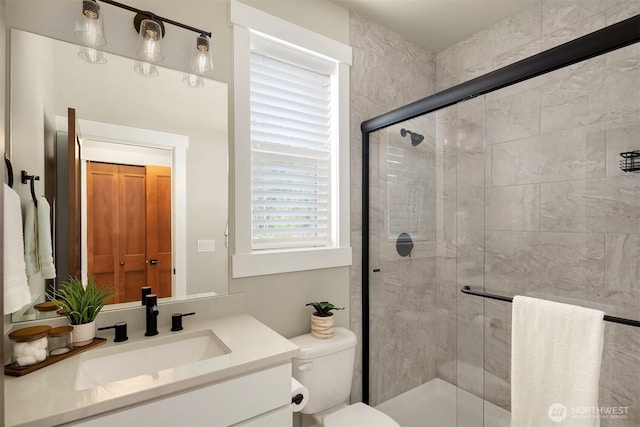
(129, 228)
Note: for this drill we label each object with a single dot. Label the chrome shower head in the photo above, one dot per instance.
(416, 138)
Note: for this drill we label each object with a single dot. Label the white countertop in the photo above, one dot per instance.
(47, 396)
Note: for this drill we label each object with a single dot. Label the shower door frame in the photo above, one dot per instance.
(616, 36)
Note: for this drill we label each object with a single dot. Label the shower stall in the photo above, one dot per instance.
(514, 183)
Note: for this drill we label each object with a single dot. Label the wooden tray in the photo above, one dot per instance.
(18, 372)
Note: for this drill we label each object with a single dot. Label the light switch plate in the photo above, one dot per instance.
(206, 245)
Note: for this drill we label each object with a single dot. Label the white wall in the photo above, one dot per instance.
(32, 122)
(276, 300)
(3, 77)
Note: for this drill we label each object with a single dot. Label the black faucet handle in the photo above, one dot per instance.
(121, 331)
(144, 291)
(176, 320)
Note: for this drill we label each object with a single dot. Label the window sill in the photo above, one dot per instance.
(259, 263)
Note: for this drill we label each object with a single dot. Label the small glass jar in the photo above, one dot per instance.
(60, 340)
(29, 346)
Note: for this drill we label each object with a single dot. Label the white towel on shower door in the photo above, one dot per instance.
(556, 351)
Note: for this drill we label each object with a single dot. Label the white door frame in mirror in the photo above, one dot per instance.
(104, 134)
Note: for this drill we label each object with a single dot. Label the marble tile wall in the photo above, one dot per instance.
(402, 293)
(530, 200)
(387, 72)
(562, 221)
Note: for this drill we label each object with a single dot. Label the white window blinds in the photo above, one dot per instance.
(291, 155)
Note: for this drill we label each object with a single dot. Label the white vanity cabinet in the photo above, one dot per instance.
(260, 398)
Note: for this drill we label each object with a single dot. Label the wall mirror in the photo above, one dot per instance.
(131, 120)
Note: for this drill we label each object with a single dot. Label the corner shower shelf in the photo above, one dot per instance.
(630, 161)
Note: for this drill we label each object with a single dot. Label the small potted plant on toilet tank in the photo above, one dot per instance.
(322, 319)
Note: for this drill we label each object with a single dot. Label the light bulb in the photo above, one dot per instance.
(150, 41)
(201, 61)
(92, 56)
(89, 29)
(192, 81)
(145, 69)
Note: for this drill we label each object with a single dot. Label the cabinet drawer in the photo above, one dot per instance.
(282, 417)
(220, 404)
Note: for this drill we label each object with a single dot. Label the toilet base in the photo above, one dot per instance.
(320, 416)
(357, 414)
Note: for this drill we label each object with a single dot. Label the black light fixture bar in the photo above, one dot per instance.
(158, 18)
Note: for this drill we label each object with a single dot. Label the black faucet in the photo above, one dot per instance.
(152, 315)
(176, 320)
(121, 331)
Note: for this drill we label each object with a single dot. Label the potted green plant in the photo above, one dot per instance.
(322, 319)
(81, 304)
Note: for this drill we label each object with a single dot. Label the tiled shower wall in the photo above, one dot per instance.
(561, 220)
(558, 218)
(387, 72)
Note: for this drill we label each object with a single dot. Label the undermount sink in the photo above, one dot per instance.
(105, 366)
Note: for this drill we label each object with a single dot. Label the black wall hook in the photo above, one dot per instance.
(7, 162)
(31, 178)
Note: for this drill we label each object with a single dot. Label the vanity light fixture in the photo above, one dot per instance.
(91, 55)
(89, 29)
(151, 30)
(146, 69)
(150, 33)
(192, 80)
(201, 60)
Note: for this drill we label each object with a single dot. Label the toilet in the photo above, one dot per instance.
(325, 368)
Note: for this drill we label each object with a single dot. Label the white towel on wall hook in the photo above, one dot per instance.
(30, 239)
(38, 252)
(16, 287)
(45, 251)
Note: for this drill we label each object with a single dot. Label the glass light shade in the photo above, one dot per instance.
(92, 56)
(192, 80)
(145, 69)
(201, 60)
(150, 41)
(89, 29)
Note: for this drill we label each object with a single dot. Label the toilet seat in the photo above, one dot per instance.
(359, 415)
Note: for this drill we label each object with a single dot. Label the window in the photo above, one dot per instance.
(291, 153)
(291, 147)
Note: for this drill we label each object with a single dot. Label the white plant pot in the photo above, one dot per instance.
(321, 327)
(83, 334)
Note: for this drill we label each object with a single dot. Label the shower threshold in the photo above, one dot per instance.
(433, 404)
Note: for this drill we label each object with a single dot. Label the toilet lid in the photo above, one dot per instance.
(359, 415)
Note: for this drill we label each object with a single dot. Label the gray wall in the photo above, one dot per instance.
(387, 72)
(561, 219)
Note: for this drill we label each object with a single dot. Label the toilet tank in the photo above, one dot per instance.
(325, 368)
